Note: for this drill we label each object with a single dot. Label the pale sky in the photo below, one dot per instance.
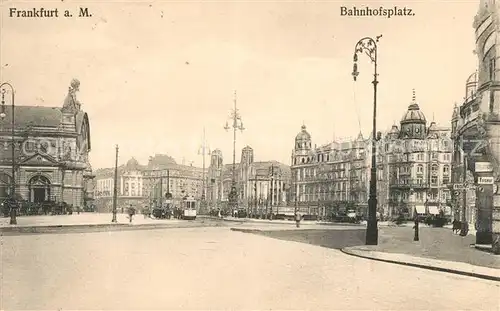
(290, 62)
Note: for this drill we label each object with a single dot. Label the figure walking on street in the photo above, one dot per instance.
(131, 212)
(297, 219)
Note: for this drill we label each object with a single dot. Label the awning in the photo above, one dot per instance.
(433, 210)
(420, 209)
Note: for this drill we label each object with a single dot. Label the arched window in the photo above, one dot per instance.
(5, 185)
(420, 169)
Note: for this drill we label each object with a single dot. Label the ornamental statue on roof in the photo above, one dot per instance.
(71, 103)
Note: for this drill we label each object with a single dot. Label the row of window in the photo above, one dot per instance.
(421, 181)
(434, 156)
(420, 196)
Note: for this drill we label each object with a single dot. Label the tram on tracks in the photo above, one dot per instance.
(188, 207)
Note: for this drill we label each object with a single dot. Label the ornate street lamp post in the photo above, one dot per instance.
(237, 124)
(12, 202)
(115, 185)
(369, 47)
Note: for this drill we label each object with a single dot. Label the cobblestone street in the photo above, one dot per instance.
(216, 268)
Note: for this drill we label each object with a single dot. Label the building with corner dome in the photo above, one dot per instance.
(417, 159)
(51, 150)
(413, 169)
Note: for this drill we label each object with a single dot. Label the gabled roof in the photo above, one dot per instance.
(39, 159)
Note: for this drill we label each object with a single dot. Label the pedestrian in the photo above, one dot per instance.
(297, 219)
(131, 212)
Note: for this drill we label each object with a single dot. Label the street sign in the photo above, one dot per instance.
(483, 167)
(486, 180)
(473, 147)
(458, 187)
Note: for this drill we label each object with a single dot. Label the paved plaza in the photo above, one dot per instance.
(79, 219)
(215, 269)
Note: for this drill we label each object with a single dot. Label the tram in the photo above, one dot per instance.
(188, 207)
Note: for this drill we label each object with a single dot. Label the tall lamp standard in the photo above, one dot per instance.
(115, 186)
(369, 47)
(237, 124)
(13, 205)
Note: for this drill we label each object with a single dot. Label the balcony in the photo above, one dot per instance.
(408, 184)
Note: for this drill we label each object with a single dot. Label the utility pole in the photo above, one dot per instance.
(168, 181)
(12, 202)
(161, 189)
(115, 190)
(272, 189)
(204, 149)
(464, 229)
(255, 194)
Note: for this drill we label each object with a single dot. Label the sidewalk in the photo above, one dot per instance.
(437, 249)
(82, 220)
(426, 263)
(285, 222)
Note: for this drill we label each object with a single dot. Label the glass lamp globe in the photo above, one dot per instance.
(2, 115)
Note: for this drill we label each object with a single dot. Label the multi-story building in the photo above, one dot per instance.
(52, 145)
(413, 169)
(476, 125)
(418, 164)
(143, 185)
(332, 176)
(262, 186)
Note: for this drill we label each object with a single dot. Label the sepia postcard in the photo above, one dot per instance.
(249, 155)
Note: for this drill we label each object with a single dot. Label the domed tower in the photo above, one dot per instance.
(132, 165)
(393, 133)
(247, 155)
(302, 146)
(413, 123)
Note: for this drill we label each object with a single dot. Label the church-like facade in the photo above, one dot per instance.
(51, 149)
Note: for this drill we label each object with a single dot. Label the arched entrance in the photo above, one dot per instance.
(5, 185)
(39, 188)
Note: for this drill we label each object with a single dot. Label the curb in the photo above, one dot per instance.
(246, 230)
(270, 222)
(433, 268)
(95, 228)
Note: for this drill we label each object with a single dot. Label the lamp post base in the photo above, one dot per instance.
(415, 236)
(114, 218)
(371, 233)
(13, 219)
